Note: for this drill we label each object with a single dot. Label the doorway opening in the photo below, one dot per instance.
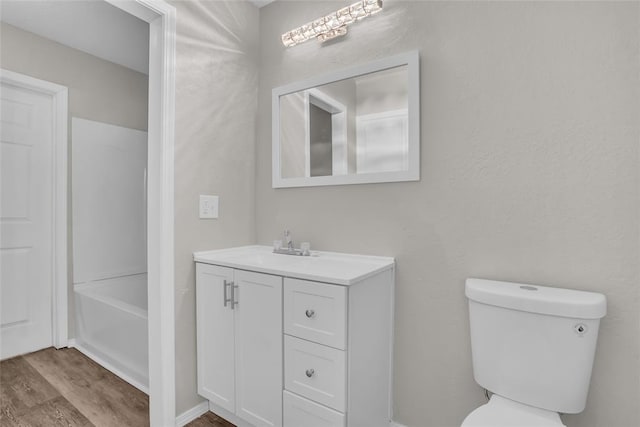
(161, 18)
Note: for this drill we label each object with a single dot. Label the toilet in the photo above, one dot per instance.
(533, 348)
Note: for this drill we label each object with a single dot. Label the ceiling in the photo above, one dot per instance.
(92, 26)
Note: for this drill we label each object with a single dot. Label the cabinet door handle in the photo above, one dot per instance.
(310, 313)
(309, 372)
(224, 293)
(234, 302)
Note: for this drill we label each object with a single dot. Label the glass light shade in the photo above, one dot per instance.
(344, 16)
(372, 6)
(357, 10)
(287, 40)
(332, 21)
(307, 31)
(319, 26)
(297, 36)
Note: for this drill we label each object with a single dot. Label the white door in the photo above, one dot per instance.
(258, 323)
(26, 220)
(215, 336)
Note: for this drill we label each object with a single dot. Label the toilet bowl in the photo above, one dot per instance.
(503, 412)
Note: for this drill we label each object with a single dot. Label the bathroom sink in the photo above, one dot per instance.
(344, 269)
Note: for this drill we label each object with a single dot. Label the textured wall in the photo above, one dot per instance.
(98, 90)
(216, 92)
(530, 130)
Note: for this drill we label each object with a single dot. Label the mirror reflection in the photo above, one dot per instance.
(357, 125)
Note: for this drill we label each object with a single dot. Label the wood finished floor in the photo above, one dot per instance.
(65, 388)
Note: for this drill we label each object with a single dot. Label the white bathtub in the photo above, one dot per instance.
(111, 326)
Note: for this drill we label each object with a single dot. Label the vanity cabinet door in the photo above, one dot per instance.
(215, 335)
(258, 348)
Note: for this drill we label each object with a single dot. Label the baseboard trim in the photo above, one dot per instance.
(72, 343)
(229, 416)
(191, 414)
(203, 407)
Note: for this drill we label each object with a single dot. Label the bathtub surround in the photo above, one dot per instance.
(529, 173)
(109, 232)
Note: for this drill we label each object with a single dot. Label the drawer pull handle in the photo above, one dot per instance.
(309, 372)
(310, 313)
(224, 292)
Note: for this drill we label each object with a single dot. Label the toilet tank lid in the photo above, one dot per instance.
(537, 299)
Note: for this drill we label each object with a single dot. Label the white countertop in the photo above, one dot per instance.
(331, 267)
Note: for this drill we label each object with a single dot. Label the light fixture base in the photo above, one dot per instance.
(332, 34)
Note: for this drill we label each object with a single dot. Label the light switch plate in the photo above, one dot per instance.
(208, 207)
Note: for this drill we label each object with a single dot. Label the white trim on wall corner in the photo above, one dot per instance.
(161, 17)
(395, 424)
(191, 414)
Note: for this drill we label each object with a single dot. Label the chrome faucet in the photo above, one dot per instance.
(288, 239)
(289, 249)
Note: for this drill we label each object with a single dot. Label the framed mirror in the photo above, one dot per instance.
(353, 126)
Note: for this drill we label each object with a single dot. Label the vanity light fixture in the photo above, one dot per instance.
(333, 25)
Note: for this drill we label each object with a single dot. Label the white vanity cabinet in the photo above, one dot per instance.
(239, 342)
(308, 343)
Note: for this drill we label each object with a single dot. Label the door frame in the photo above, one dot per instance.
(161, 17)
(338, 111)
(59, 274)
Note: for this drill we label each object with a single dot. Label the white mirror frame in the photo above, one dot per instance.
(412, 60)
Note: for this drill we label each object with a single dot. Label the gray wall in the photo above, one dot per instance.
(216, 92)
(529, 173)
(98, 90)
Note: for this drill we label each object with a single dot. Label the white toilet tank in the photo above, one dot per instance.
(534, 344)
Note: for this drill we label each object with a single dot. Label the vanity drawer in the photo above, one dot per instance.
(316, 312)
(315, 371)
(301, 412)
